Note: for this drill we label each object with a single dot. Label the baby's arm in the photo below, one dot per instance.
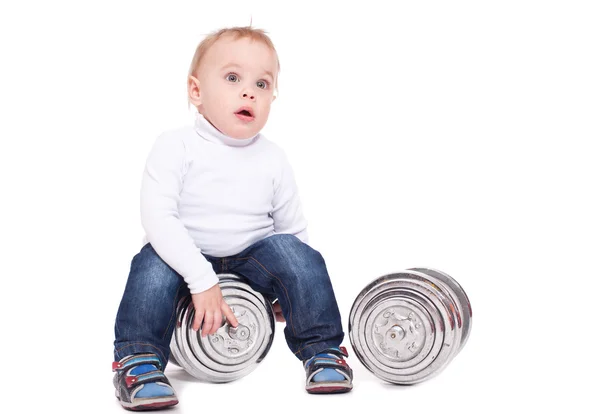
(287, 213)
(162, 184)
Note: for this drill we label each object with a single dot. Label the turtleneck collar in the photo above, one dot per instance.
(207, 131)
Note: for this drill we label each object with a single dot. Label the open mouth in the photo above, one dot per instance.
(245, 114)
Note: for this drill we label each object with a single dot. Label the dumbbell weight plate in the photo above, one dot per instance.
(404, 327)
(230, 353)
(461, 299)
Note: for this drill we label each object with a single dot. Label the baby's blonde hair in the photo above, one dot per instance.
(237, 33)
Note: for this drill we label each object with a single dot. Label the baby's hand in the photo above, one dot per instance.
(278, 313)
(210, 308)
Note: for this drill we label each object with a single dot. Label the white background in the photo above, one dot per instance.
(455, 135)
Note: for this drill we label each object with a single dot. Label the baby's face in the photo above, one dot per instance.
(237, 81)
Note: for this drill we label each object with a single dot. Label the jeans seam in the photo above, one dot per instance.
(305, 347)
(174, 310)
(282, 285)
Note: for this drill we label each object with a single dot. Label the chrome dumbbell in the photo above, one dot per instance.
(230, 353)
(406, 327)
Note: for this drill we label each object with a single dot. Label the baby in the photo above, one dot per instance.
(219, 197)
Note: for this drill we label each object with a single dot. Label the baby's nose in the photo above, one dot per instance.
(247, 95)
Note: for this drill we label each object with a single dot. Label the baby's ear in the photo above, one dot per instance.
(194, 93)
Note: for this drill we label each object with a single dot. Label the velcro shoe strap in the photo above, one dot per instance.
(152, 376)
(338, 364)
(341, 351)
(136, 360)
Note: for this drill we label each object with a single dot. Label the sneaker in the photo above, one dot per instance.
(328, 373)
(140, 383)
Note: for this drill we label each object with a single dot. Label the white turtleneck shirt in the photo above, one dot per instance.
(205, 192)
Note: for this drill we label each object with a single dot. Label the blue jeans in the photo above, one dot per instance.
(279, 266)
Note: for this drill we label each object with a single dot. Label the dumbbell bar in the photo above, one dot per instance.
(406, 327)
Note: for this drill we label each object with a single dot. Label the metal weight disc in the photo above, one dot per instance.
(406, 327)
(230, 353)
(459, 297)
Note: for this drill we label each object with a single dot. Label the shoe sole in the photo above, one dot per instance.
(147, 404)
(328, 388)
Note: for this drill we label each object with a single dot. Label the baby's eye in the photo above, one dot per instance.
(262, 84)
(232, 77)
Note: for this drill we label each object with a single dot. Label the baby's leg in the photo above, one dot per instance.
(298, 276)
(146, 316)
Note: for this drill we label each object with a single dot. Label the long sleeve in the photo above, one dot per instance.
(287, 213)
(162, 183)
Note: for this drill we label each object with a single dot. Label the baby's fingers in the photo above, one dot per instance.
(218, 321)
(198, 317)
(229, 315)
(278, 313)
(208, 323)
